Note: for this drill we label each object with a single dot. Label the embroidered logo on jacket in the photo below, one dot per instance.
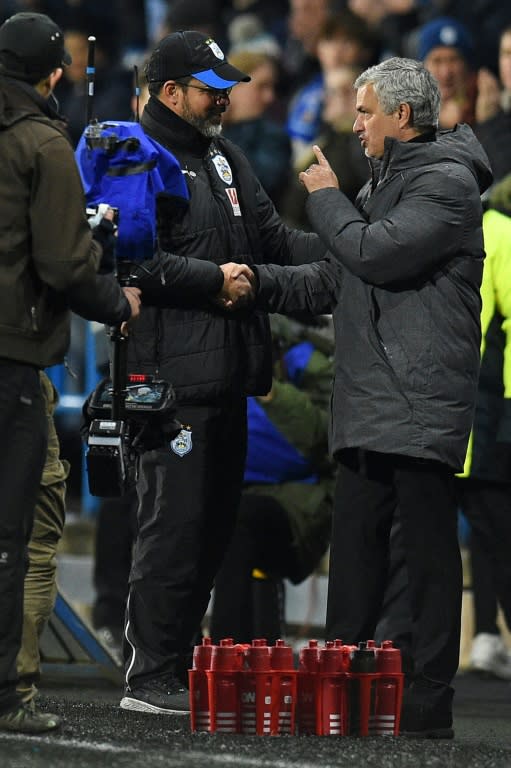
(223, 168)
(232, 194)
(182, 444)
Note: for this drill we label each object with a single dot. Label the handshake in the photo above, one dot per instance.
(239, 287)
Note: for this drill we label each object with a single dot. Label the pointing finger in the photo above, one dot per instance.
(320, 156)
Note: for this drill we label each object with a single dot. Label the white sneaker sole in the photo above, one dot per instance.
(492, 669)
(135, 705)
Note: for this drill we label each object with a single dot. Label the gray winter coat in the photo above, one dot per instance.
(405, 276)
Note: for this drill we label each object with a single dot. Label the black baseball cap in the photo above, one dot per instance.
(31, 46)
(192, 54)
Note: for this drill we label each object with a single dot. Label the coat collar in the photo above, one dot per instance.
(168, 128)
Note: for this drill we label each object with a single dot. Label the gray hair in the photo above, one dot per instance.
(405, 81)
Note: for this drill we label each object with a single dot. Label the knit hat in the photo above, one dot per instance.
(445, 31)
(192, 54)
(31, 46)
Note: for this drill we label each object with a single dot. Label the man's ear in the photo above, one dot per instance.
(46, 86)
(55, 76)
(170, 89)
(404, 115)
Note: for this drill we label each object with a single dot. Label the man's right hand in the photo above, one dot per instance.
(238, 288)
(133, 296)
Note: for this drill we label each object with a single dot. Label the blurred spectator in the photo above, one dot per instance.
(343, 39)
(484, 19)
(103, 18)
(134, 30)
(284, 518)
(272, 15)
(446, 48)
(398, 22)
(246, 32)
(392, 21)
(246, 123)
(299, 57)
(202, 15)
(113, 86)
(337, 140)
(493, 110)
(485, 489)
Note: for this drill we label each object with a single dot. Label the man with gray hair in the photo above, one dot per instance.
(410, 255)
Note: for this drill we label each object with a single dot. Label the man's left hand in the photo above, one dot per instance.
(320, 175)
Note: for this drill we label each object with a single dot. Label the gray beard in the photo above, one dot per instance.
(202, 124)
(208, 130)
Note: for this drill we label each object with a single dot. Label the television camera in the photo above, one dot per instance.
(127, 413)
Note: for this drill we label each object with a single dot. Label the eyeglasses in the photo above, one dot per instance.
(213, 93)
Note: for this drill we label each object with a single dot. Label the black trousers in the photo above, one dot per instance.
(24, 434)
(188, 498)
(244, 607)
(487, 507)
(115, 533)
(370, 488)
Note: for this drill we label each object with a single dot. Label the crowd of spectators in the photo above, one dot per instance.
(466, 48)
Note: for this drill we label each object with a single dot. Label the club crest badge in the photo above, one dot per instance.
(182, 444)
(223, 168)
(215, 48)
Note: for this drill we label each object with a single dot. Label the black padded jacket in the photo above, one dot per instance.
(206, 353)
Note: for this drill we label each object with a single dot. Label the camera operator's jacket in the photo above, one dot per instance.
(209, 354)
(48, 259)
(407, 315)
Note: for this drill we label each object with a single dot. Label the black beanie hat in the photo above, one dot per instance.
(31, 46)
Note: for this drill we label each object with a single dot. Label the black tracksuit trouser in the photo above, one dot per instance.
(487, 507)
(370, 488)
(189, 494)
(24, 435)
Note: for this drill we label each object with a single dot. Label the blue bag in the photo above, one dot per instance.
(121, 166)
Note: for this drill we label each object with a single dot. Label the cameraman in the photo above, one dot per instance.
(49, 259)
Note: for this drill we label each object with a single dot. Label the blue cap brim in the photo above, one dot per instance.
(210, 77)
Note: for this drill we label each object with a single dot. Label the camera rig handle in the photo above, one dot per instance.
(119, 373)
(90, 72)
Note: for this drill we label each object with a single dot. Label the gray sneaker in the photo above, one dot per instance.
(160, 696)
(27, 718)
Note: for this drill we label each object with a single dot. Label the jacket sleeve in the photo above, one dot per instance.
(65, 255)
(310, 288)
(105, 304)
(434, 219)
(178, 281)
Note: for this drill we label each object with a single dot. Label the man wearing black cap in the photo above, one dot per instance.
(48, 259)
(189, 491)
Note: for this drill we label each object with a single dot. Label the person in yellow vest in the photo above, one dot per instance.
(485, 487)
